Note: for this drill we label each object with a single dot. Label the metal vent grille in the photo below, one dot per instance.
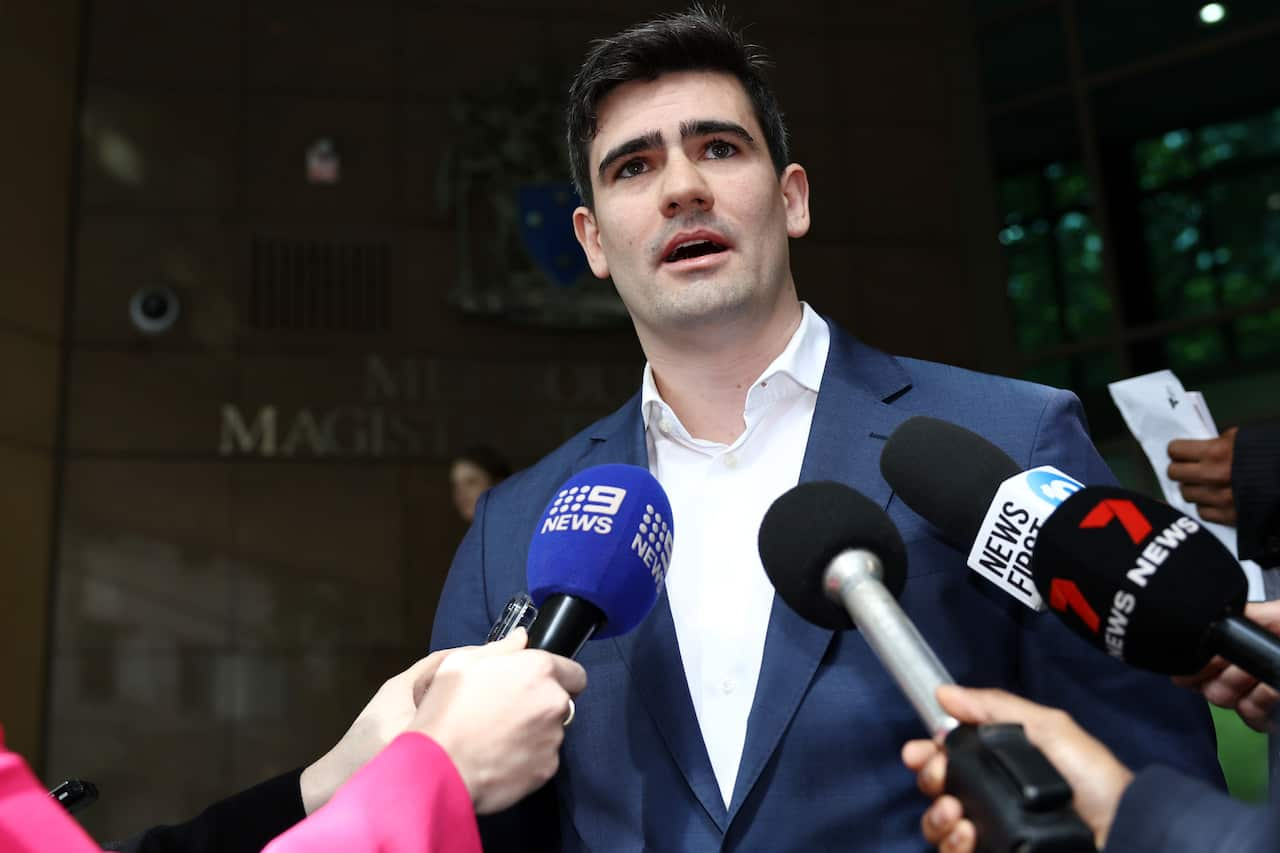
(312, 286)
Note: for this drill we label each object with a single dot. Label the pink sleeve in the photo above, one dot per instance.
(408, 799)
(30, 820)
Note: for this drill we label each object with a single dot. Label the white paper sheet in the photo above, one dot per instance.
(1157, 410)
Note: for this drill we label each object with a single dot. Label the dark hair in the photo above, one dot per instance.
(491, 461)
(696, 40)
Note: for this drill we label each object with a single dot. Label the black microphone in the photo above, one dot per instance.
(598, 557)
(977, 497)
(836, 558)
(1149, 586)
(946, 473)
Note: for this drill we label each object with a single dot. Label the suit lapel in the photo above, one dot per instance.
(851, 420)
(850, 423)
(651, 653)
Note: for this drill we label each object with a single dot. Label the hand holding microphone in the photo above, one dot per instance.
(836, 559)
(498, 711)
(598, 557)
(1228, 686)
(1191, 613)
(1097, 778)
(1149, 586)
(985, 505)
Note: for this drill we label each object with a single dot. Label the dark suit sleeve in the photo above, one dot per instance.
(463, 618)
(242, 823)
(1163, 810)
(1255, 486)
(1142, 717)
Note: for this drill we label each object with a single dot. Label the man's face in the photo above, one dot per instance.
(690, 219)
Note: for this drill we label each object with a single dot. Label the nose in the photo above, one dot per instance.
(685, 187)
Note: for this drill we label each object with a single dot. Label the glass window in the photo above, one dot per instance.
(1036, 314)
(1246, 217)
(1207, 223)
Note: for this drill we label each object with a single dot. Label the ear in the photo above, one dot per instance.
(795, 199)
(588, 234)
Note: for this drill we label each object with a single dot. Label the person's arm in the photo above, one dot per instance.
(486, 733)
(242, 823)
(1255, 481)
(1235, 479)
(1159, 809)
(463, 617)
(30, 820)
(1164, 810)
(410, 799)
(246, 821)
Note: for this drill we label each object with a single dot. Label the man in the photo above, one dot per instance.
(725, 721)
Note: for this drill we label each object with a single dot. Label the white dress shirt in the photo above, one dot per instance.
(719, 595)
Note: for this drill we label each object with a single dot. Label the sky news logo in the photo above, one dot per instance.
(1054, 488)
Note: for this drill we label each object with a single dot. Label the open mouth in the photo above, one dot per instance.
(694, 249)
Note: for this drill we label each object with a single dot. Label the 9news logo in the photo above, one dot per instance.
(589, 508)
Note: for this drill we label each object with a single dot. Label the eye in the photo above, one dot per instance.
(631, 168)
(719, 149)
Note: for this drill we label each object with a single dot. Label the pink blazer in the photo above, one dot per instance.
(409, 799)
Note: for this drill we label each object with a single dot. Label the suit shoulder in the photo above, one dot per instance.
(1022, 418)
(558, 465)
(935, 382)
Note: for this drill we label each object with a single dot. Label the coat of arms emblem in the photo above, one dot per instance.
(505, 179)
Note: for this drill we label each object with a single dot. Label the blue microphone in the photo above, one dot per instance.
(599, 557)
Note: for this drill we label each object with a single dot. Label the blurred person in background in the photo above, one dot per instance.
(473, 472)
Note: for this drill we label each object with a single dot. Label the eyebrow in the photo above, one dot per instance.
(646, 142)
(653, 139)
(707, 127)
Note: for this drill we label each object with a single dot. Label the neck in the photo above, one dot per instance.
(704, 376)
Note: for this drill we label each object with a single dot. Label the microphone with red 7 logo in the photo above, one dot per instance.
(1148, 585)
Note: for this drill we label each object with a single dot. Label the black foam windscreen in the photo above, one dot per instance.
(946, 474)
(1136, 578)
(808, 527)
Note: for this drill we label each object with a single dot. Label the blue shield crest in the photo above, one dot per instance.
(546, 230)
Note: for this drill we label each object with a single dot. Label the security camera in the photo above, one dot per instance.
(154, 310)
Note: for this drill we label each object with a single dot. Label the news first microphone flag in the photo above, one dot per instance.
(977, 496)
(1157, 409)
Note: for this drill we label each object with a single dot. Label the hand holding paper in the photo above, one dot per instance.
(1162, 415)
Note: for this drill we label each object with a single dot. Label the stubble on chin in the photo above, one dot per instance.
(691, 304)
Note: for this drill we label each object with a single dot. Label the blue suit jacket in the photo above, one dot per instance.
(820, 768)
(1165, 811)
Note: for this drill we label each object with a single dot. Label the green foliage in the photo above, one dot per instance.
(1161, 161)
(1242, 752)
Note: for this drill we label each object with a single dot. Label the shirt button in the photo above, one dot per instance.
(728, 685)
(664, 425)
(730, 461)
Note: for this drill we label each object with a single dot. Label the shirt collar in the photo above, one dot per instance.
(802, 361)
